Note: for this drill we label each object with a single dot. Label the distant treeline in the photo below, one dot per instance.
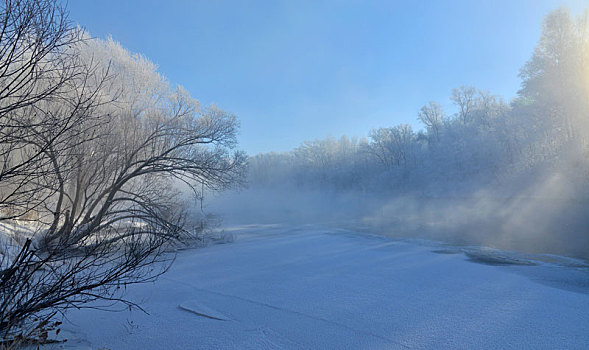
(488, 142)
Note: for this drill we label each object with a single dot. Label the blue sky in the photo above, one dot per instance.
(301, 70)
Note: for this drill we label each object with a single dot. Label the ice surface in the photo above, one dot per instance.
(310, 287)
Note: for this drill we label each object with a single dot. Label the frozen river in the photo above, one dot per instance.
(311, 287)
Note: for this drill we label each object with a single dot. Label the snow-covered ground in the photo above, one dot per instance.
(312, 287)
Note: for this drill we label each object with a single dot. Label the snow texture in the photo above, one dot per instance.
(311, 287)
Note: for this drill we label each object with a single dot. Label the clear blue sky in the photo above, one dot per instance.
(300, 70)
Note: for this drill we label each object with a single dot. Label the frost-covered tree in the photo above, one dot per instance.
(464, 98)
(555, 81)
(151, 137)
(431, 116)
(393, 146)
(97, 168)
